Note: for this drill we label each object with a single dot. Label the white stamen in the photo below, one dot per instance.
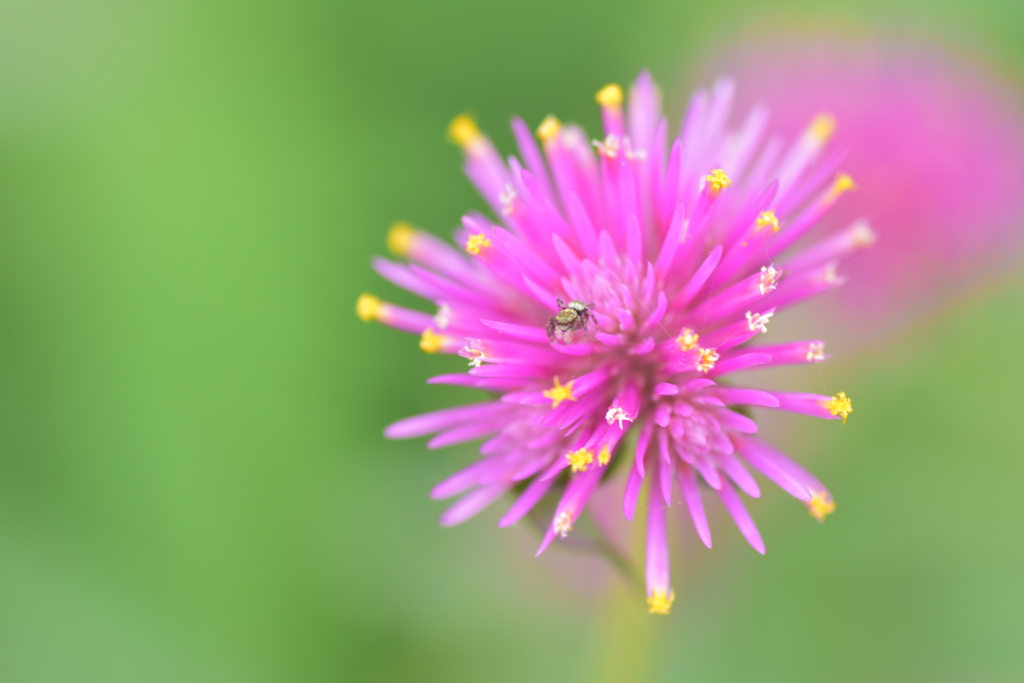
(616, 413)
(609, 147)
(758, 322)
(474, 351)
(443, 318)
(706, 359)
(563, 524)
(769, 279)
(572, 137)
(815, 352)
(863, 235)
(507, 198)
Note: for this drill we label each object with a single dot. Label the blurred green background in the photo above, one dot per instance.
(193, 481)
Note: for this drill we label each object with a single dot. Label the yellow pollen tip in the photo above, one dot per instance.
(844, 183)
(820, 505)
(660, 602)
(840, 405)
(580, 459)
(687, 340)
(549, 128)
(463, 131)
(768, 219)
(476, 243)
(400, 238)
(605, 456)
(610, 95)
(431, 342)
(706, 359)
(558, 393)
(822, 127)
(718, 180)
(368, 307)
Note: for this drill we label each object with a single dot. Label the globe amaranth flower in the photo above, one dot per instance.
(617, 295)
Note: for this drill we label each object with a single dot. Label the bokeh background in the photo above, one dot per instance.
(193, 481)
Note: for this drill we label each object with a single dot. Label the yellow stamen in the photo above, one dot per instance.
(431, 342)
(558, 393)
(579, 459)
(820, 505)
(718, 180)
(660, 602)
(463, 131)
(610, 95)
(767, 219)
(549, 128)
(400, 238)
(822, 127)
(840, 405)
(476, 243)
(844, 183)
(563, 523)
(368, 307)
(706, 359)
(687, 340)
(605, 456)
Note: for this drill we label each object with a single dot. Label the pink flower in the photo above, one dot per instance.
(935, 145)
(617, 299)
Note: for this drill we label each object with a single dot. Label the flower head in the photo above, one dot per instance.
(666, 253)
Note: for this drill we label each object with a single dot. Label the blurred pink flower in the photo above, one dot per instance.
(935, 146)
(619, 297)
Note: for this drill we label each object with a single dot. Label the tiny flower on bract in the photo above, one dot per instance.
(673, 256)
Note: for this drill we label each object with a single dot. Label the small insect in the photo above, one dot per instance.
(572, 317)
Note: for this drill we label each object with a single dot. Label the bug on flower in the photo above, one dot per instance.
(572, 318)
